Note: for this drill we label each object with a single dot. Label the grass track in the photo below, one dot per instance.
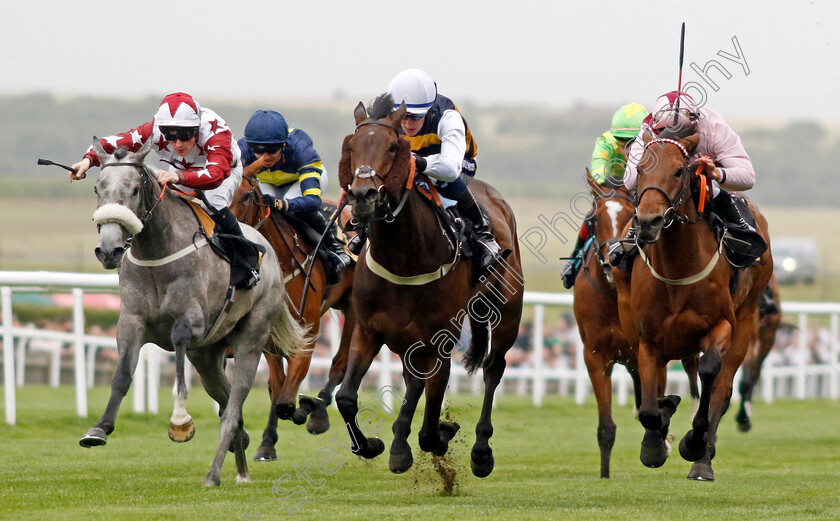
(788, 467)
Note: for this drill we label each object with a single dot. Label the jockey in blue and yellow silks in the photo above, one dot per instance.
(608, 161)
(292, 177)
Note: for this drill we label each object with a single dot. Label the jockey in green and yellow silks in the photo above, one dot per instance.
(608, 160)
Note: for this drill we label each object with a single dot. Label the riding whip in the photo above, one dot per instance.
(315, 252)
(48, 162)
(679, 82)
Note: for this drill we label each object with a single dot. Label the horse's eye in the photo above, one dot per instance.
(678, 172)
(135, 191)
(95, 190)
(392, 148)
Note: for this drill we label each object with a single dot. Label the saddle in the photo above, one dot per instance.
(242, 254)
(742, 248)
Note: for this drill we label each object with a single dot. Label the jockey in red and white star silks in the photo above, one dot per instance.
(213, 165)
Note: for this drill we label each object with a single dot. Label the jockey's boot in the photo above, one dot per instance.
(570, 270)
(334, 249)
(618, 251)
(355, 244)
(728, 210)
(488, 249)
(228, 224)
(767, 302)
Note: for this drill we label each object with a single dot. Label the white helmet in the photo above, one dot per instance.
(178, 110)
(415, 88)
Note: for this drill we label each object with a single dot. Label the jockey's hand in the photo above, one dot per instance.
(81, 167)
(164, 177)
(254, 168)
(280, 205)
(709, 168)
(419, 163)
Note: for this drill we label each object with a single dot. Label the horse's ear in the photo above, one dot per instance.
(397, 116)
(360, 113)
(690, 143)
(99, 150)
(591, 180)
(144, 150)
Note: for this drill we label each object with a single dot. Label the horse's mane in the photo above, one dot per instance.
(381, 106)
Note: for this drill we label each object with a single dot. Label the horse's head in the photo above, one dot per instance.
(375, 159)
(664, 184)
(247, 204)
(124, 189)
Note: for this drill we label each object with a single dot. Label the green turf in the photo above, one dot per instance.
(788, 467)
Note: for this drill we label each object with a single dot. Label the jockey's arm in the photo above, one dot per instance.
(217, 166)
(737, 171)
(310, 189)
(634, 154)
(132, 140)
(446, 166)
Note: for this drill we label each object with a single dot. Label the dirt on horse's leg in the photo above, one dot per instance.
(363, 350)
(434, 434)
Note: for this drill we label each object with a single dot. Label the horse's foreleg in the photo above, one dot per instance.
(362, 352)
(600, 371)
(181, 427)
(693, 444)
(655, 412)
(435, 434)
(276, 377)
(129, 338)
(231, 433)
(284, 404)
(400, 459)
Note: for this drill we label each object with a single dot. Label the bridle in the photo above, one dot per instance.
(672, 213)
(365, 172)
(148, 199)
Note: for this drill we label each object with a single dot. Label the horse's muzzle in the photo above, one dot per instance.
(364, 202)
(111, 259)
(648, 227)
(112, 245)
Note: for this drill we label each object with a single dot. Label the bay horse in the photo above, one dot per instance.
(294, 250)
(683, 299)
(768, 324)
(412, 290)
(596, 313)
(173, 292)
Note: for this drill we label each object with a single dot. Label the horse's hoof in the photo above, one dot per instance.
(482, 464)
(299, 416)
(309, 403)
(374, 448)
(688, 449)
(243, 479)
(94, 438)
(701, 471)
(319, 421)
(182, 433)
(246, 440)
(653, 453)
(743, 420)
(265, 453)
(447, 431)
(399, 463)
(211, 481)
(668, 404)
(284, 410)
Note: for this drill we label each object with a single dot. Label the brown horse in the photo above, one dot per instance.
(768, 323)
(683, 299)
(413, 290)
(596, 313)
(294, 251)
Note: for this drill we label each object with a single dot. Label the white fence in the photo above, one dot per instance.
(534, 377)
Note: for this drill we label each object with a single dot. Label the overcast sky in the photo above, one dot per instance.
(557, 53)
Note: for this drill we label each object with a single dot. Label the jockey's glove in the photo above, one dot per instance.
(420, 164)
(281, 205)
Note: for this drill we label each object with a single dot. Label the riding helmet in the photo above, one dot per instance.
(178, 110)
(266, 127)
(415, 88)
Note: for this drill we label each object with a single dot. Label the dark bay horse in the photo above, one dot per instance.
(683, 298)
(768, 324)
(173, 288)
(596, 313)
(294, 250)
(412, 291)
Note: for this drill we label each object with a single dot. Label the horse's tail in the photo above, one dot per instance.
(479, 342)
(290, 337)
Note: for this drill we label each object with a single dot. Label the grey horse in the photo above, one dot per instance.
(173, 289)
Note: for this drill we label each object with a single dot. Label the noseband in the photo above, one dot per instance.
(672, 214)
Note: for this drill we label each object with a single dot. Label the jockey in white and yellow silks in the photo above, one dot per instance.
(608, 162)
(444, 149)
(292, 178)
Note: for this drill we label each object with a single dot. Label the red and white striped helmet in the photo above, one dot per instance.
(178, 110)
